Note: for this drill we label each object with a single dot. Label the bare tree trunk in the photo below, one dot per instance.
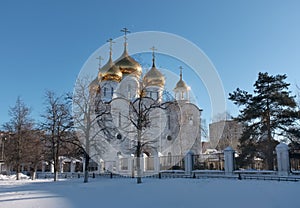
(86, 168)
(33, 172)
(55, 176)
(18, 156)
(138, 158)
(18, 171)
(270, 162)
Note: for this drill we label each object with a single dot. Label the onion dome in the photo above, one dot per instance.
(126, 63)
(154, 77)
(110, 72)
(94, 86)
(181, 84)
(103, 70)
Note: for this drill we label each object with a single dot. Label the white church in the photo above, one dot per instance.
(173, 130)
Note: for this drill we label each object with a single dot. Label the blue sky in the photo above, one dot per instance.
(43, 44)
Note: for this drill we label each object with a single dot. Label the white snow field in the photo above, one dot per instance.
(161, 193)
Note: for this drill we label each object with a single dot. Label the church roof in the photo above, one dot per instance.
(154, 77)
(181, 85)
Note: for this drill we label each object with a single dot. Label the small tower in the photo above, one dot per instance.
(181, 90)
(109, 76)
(131, 72)
(126, 63)
(154, 81)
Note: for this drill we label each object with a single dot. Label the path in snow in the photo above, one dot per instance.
(163, 193)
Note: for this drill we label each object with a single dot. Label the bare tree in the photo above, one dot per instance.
(139, 122)
(19, 127)
(33, 151)
(87, 120)
(57, 124)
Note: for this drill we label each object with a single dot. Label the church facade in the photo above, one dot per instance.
(132, 110)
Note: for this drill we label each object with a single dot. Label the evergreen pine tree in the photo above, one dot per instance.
(269, 113)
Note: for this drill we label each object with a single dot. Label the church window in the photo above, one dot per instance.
(112, 91)
(169, 158)
(119, 136)
(169, 137)
(120, 119)
(129, 91)
(104, 91)
(169, 121)
(190, 119)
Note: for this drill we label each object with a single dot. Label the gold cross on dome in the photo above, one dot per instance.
(153, 55)
(110, 40)
(100, 60)
(153, 49)
(180, 67)
(125, 31)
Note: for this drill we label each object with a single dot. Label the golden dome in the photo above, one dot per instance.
(94, 86)
(112, 74)
(104, 69)
(181, 84)
(154, 78)
(128, 65)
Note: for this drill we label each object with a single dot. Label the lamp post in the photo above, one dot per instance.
(3, 138)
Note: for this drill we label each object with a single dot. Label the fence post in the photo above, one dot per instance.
(228, 160)
(156, 164)
(72, 166)
(51, 167)
(43, 166)
(118, 164)
(188, 162)
(283, 160)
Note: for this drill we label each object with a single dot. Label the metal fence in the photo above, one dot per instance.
(208, 161)
(171, 162)
(257, 163)
(295, 159)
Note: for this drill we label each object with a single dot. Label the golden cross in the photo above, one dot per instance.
(153, 55)
(100, 59)
(180, 67)
(153, 49)
(125, 31)
(110, 40)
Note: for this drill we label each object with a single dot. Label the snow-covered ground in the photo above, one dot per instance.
(162, 193)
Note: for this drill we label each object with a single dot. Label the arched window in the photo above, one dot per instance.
(120, 119)
(190, 119)
(169, 158)
(104, 91)
(112, 91)
(129, 91)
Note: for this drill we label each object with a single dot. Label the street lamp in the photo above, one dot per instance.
(3, 138)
